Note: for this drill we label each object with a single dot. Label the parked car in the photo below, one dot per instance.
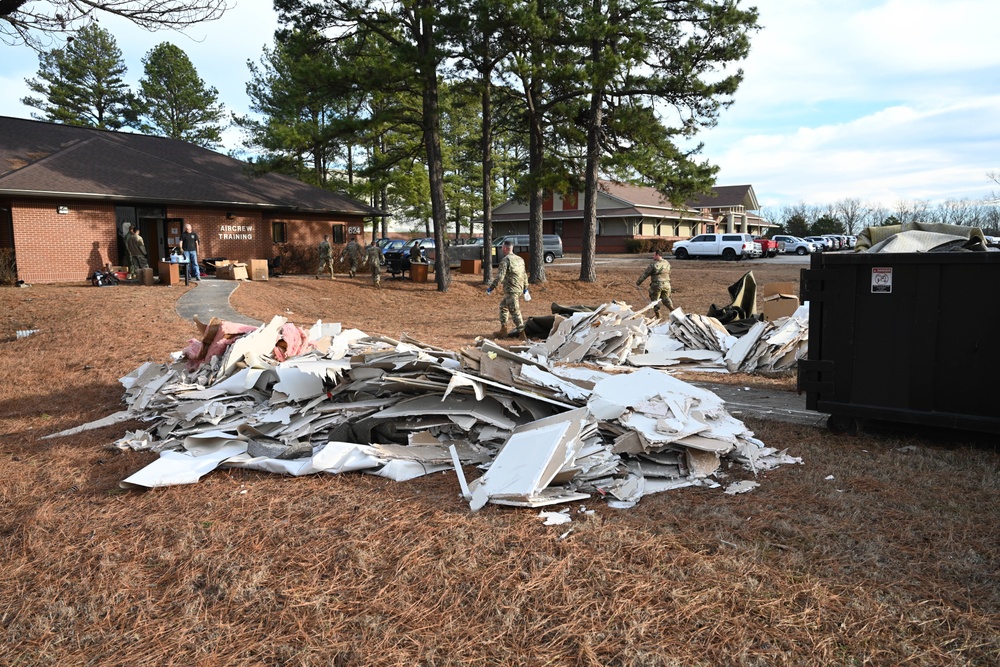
(394, 246)
(398, 261)
(458, 252)
(797, 245)
(822, 242)
(731, 247)
(552, 246)
(770, 247)
(838, 241)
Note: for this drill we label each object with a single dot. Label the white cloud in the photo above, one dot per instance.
(878, 100)
(896, 153)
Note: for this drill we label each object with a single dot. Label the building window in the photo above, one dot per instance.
(279, 232)
(338, 233)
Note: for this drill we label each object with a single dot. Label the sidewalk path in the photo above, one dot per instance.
(784, 406)
(210, 298)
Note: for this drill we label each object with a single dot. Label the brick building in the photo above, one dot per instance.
(69, 195)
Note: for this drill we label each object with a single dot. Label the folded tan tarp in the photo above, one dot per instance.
(915, 237)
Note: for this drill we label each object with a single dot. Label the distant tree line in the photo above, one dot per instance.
(851, 215)
(83, 84)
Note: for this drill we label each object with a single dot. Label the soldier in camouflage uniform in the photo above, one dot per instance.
(373, 258)
(511, 275)
(352, 252)
(658, 273)
(325, 256)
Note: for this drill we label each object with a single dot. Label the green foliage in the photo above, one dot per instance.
(797, 225)
(82, 84)
(173, 100)
(643, 246)
(826, 224)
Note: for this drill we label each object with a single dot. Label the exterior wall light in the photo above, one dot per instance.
(62, 209)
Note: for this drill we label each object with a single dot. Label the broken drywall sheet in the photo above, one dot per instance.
(253, 347)
(184, 467)
(530, 459)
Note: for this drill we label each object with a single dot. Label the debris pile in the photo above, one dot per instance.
(296, 402)
(704, 344)
(614, 335)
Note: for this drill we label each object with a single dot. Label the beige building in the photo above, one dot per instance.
(627, 212)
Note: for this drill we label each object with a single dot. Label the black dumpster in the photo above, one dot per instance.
(904, 337)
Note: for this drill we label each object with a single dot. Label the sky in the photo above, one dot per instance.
(883, 101)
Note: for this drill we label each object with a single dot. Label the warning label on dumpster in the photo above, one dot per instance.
(881, 280)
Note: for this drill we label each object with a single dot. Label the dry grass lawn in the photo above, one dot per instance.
(880, 550)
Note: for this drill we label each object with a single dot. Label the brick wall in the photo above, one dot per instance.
(242, 237)
(53, 247)
(56, 247)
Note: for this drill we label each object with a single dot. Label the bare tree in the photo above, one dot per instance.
(851, 212)
(33, 22)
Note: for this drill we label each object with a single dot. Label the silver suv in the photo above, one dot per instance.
(796, 245)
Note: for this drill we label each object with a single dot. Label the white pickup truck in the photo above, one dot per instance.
(730, 247)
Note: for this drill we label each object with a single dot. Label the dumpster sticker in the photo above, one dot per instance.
(881, 280)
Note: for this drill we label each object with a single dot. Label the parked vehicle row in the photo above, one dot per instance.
(730, 247)
(796, 245)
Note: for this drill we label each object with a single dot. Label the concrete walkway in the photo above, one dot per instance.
(210, 298)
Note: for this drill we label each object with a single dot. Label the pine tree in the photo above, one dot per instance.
(173, 100)
(82, 83)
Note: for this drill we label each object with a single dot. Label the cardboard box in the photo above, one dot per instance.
(257, 268)
(780, 300)
(234, 271)
(146, 276)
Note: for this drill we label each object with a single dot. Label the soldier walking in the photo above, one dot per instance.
(352, 252)
(658, 273)
(325, 257)
(513, 279)
(374, 260)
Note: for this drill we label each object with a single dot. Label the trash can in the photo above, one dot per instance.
(903, 337)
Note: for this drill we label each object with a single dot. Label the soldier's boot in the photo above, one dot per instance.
(501, 332)
(520, 333)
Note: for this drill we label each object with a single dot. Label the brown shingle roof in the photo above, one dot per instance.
(38, 158)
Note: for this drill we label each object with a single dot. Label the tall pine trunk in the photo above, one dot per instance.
(432, 138)
(487, 143)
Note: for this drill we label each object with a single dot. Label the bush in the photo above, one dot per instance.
(648, 245)
(8, 266)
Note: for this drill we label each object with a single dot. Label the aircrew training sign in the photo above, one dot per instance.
(881, 280)
(236, 232)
